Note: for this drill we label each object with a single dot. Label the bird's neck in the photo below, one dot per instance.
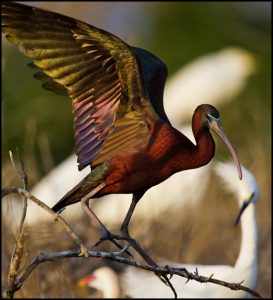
(174, 152)
(111, 287)
(204, 149)
(249, 235)
(111, 292)
(185, 155)
(205, 146)
(201, 153)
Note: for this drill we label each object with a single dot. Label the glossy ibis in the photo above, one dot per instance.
(216, 77)
(137, 283)
(121, 129)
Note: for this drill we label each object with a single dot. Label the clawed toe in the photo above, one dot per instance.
(111, 236)
(108, 236)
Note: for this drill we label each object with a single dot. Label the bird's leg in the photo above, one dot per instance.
(133, 243)
(94, 218)
(125, 224)
(106, 234)
(125, 232)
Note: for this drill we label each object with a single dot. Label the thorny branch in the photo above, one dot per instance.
(115, 256)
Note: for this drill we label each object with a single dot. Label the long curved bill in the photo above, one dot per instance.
(242, 209)
(217, 127)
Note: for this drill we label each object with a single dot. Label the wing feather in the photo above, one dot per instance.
(99, 71)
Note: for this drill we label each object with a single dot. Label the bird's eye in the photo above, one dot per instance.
(211, 117)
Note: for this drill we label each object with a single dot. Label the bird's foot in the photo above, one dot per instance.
(119, 237)
(108, 236)
(170, 270)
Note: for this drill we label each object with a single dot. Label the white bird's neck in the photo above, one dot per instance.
(110, 284)
(111, 291)
(249, 235)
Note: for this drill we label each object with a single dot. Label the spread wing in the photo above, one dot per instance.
(98, 71)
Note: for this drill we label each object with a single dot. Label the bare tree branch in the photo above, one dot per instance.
(56, 216)
(115, 256)
(19, 242)
(53, 256)
(24, 179)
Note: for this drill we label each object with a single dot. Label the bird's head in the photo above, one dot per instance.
(103, 279)
(89, 281)
(246, 191)
(210, 118)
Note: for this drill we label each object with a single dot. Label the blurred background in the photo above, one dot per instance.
(39, 123)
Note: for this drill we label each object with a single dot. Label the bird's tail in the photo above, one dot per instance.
(90, 182)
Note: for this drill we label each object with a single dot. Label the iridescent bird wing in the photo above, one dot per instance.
(99, 71)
